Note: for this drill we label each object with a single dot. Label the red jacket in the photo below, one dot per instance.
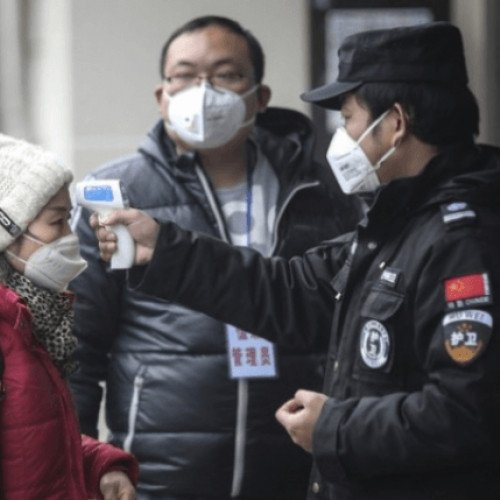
(43, 455)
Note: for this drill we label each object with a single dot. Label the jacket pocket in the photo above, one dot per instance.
(378, 345)
(381, 304)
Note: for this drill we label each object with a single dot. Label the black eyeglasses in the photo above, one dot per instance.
(224, 79)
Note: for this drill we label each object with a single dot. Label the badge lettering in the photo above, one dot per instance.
(466, 334)
(375, 344)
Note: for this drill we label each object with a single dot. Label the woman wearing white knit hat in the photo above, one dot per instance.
(42, 454)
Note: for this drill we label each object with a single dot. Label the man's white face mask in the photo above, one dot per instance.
(207, 117)
(349, 163)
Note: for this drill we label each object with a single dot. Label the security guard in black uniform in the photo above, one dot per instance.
(409, 306)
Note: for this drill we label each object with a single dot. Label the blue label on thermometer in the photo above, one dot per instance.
(98, 193)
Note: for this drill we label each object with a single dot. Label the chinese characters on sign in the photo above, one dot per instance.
(249, 356)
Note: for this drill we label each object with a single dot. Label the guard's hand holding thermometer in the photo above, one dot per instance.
(103, 196)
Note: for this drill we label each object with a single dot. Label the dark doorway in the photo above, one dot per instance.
(333, 20)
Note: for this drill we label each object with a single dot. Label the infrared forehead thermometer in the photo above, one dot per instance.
(103, 196)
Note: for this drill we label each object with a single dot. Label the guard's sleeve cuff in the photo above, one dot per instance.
(326, 443)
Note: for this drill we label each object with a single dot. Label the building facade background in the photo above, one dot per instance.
(78, 76)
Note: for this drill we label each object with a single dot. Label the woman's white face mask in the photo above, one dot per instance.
(54, 264)
(207, 117)
(349, 163)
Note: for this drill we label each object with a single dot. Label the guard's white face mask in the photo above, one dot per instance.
(54, 264)
(207, 117)
(349, 163)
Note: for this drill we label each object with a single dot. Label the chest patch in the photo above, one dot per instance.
(390, 277)
(468, 290)
(466, 334)
(375, 344)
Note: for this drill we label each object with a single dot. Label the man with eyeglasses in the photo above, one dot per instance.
(194, 399)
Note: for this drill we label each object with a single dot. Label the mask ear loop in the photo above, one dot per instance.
(33, 239)
(372, 126)
(368, 130)
(14, 256)
(384, 157)
(28, 237)
(250, 91)
(244, 96)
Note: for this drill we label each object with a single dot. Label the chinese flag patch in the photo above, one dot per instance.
(466, 287)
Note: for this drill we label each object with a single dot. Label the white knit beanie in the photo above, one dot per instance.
(29, 178)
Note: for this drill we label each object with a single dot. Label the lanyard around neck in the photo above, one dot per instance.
(249, 200)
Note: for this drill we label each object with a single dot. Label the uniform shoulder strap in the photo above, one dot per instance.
(457, 213)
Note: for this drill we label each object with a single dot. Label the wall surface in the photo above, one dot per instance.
(115, 51)
(478, 21)
(78, 76)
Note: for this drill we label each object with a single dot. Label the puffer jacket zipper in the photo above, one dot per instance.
(134, 409)
(242, 402)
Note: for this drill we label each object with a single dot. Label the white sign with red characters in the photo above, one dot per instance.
(249, 356)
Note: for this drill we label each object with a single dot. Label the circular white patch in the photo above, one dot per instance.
(375, 343)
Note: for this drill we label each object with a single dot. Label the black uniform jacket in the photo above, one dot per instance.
(411, 307)
(169, 397)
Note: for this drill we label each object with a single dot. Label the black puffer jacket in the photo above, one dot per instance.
(169, 399)
(411, 306)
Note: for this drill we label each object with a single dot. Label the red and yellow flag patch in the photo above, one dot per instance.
(467, 290)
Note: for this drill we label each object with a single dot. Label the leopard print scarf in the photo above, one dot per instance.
(52, 314)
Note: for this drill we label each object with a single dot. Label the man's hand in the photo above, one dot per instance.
(116, 485)
(299, 416)
(143, 229)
